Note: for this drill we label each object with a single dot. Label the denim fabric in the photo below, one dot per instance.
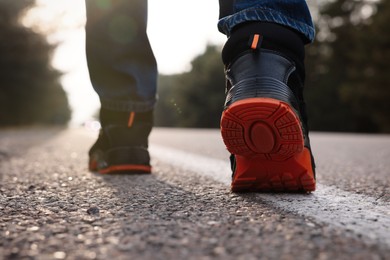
(121, 63)
(291, 13)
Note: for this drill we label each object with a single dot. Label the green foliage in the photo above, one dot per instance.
(348, 70)
(193, 99)
(30, 91)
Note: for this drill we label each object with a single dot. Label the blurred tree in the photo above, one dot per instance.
(30, 91)
(348, 80)
(193, 99)
(168, 111)
(202, 94)
(368, 86)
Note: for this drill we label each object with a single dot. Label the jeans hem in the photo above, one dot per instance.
(226, 24)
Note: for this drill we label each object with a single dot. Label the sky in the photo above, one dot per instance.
(64, 20)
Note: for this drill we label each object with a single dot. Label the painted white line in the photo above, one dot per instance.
(359, 214)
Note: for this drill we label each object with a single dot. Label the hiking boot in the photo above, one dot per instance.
(264, 123)
(122, 145)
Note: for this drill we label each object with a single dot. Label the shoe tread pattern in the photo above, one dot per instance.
(284, 165)
(238, 120)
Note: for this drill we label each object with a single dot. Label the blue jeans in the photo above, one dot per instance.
(121, 63)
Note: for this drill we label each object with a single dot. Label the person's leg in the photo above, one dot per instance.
(121, 63)
(264, 123)
(123, 72)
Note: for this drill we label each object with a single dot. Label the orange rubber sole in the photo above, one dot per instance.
(265, 135)
(132, 168)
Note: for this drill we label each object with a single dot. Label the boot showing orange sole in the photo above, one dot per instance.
(266, 137)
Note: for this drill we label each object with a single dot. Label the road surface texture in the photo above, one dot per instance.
(52, 207)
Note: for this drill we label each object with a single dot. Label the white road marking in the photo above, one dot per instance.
(362, 215)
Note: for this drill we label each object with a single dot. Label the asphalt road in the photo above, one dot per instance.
(51, 207)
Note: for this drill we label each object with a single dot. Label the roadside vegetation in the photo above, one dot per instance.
(30, 88)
